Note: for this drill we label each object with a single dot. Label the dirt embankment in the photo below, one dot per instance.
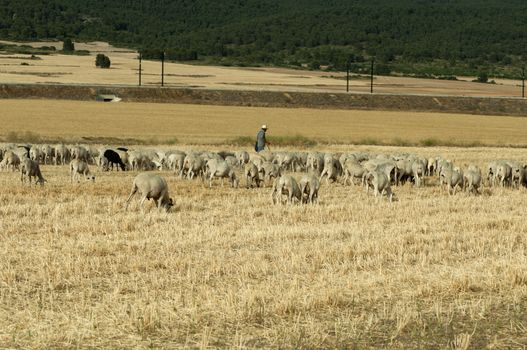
(447, 104)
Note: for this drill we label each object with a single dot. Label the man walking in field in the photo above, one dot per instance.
(260, 139)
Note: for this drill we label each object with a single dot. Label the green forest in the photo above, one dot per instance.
(436, 38)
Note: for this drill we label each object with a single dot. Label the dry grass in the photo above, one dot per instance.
(68, 69)
(228, 270)
(73, 120)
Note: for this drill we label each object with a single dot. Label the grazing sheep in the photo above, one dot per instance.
(80, 167)
(386, 166)
(352, 169)
(332, 169)
(242, 157)
(403, 170)
(151, 186)
(252, 175)
(62, 154)
(113, 158)
(30, 168)
(47, 153)
(286, 161)
(221, 169)
(472, 179)
(418, 172)
(517, 174)
(381, 184)
(175, 161)
(194, 164)
(452, 177)
(503, 173)
(309, 186)
(80, 152)
(11, 161)
(285, 185)
(232, 161)
(269, 171)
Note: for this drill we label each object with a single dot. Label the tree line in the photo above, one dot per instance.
(419, 37)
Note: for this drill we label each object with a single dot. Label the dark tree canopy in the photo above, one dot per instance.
(412, 36)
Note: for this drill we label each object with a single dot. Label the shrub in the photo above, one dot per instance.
(102, 61)
(430, 142)
(483, 77)
(68, 45)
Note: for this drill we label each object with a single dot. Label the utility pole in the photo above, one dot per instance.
(371, 75)
(163, 68)
(523, 82)
(348, 76)
(140, 58)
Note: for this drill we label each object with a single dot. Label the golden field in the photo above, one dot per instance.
(71, 69)
(201, 124)
(226, 269)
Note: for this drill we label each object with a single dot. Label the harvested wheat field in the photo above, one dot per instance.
(201, 124)
(71, 69)
(226, 269)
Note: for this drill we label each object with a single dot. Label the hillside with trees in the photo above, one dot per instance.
(440, 38)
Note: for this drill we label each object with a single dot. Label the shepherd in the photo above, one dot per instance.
(260, 139)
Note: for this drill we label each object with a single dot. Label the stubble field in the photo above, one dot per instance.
(228, 269)
(71, 69)
(75, 121)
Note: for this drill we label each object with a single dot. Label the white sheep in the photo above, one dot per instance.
(151, 186)
(80, 167)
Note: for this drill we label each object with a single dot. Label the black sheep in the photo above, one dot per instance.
(114, 158)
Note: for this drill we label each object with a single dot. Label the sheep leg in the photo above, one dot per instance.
(134, 190)
(141, 202)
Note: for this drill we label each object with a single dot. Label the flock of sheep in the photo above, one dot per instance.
(378, 172)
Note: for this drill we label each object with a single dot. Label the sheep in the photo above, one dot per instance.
(517, 174)
(285, 185)
(491, 173)
(301, 161)
(175, 161)
(286, 161)
(352, 169)
(151, 186)
(332, 169)
(113, 158)
(309, 186)
(472, 179)
(242, 157)
(221, 169)
(232, 161)
(315, 162)
(80, 152)
(47, 153)
(194, 165)
(403, 170)
(35, 153)
(30, 168)
(11, 161)
(419, 169)
(269, 171)
(80, 167)
(503, 173)
(62, 154)
(452, 177)
(386, 166)
(381, 184)
(252, 175)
